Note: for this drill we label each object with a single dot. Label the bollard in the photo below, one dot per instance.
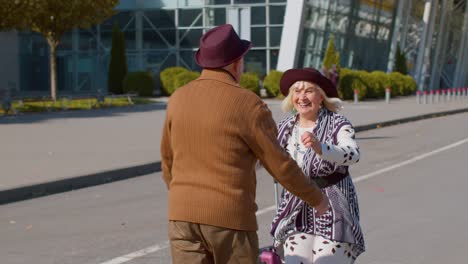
(431, 96)
(425, 97)
(466, 92)
(449, 93)
(437, 95)
(459, 95)
(356, 96)
(444, 95)
(387, 95)
(418, 97)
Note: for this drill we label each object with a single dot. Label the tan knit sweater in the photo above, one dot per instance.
(213, 135)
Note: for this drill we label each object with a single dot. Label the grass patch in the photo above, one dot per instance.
(62, 104)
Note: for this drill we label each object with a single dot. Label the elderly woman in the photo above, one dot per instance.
(322, 143)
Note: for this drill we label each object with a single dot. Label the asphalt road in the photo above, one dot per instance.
(411, 185)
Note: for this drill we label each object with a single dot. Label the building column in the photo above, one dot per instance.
(405, 22)
(291, 35)
(422, 61)
(267, 22)
(395, 35)
(461, 70)
(440, 49)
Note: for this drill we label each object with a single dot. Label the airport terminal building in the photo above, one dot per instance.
(285, 33)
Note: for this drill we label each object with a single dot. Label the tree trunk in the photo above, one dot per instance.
(53, 69)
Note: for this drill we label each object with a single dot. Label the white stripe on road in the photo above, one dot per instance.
(401, 164)
(155, 248)
(137, 254)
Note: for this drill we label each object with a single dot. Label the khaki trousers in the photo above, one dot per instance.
(197, 243)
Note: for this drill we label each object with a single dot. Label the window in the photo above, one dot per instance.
(277, 14)
(257, 15)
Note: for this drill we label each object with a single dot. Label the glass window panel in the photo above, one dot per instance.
(215, 16)
(257, 15)
(277, 14)
(278, 1)
(188, 60)
(255, 61)
(258, 37)
(187, 3)
(87, 40)
(274, 53)
(219, 2)
(106, 39)
(159, 18)
(130, 39)
(275, 36)
(248, 1)
(188, 16)
(121, 18)
(66, 42)
(152, 40)
(191, 39)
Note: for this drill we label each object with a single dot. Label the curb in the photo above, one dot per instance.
(59, 186)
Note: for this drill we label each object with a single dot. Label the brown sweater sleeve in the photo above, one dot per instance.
(262, 138)
(166, 151)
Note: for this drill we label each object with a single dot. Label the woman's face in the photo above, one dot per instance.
(307, 99)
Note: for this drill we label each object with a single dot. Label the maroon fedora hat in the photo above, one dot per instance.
(220, 47)
(310, 75)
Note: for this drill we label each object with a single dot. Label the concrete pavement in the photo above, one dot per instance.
(54, 152)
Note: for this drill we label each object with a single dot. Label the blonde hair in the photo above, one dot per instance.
(333, 104)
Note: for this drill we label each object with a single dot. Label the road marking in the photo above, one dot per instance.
(401, 164)
(158, 247)
(137, 254)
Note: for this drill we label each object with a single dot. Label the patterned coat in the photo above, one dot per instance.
(341, 222)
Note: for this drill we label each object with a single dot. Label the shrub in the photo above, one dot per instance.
(272, 83)
(351, 80)
(382, 81)
(332, 57)
(168, 77)
(139, 82)
(410, 85)
(398, 83)
(249, 80)
(185, 77)
(118, 62)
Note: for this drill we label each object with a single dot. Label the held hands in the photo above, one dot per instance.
(311, 141)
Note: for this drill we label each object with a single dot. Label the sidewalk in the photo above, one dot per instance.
(54, 152)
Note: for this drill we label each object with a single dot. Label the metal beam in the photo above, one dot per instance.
(291, 36)
(395, 35)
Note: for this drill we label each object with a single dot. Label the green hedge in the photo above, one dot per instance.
(139, 82)
(168, 77)
(372, 85)
(249, 80)
(185, 77)
(271, 83)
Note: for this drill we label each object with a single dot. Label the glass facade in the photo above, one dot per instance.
(361, 29)
(158, 34)
(163, 33)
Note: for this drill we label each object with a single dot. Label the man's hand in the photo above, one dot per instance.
(323, 207)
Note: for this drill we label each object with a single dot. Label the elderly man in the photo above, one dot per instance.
(213, 135)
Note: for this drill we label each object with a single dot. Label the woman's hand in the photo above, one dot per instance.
(311, 141)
